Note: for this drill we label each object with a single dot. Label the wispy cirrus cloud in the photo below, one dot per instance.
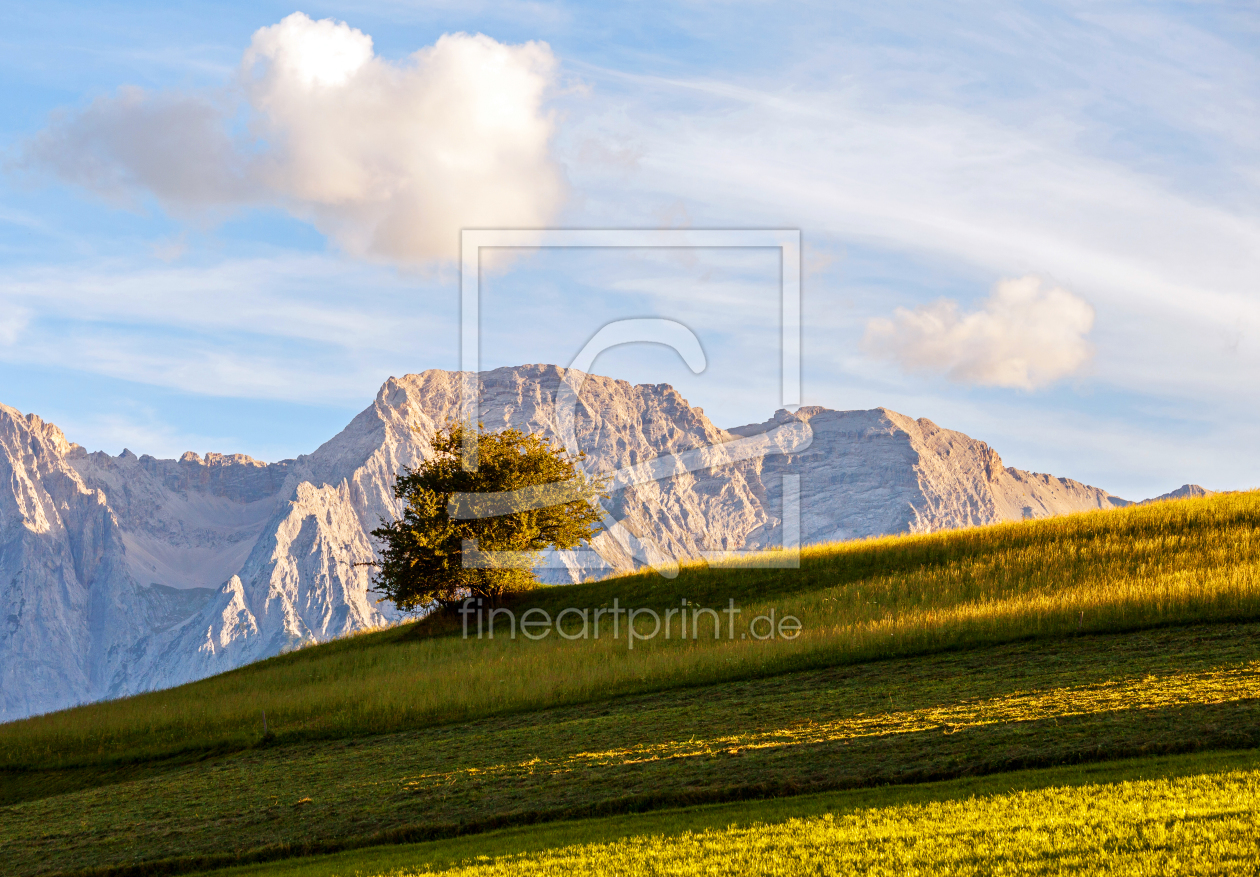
(932, 170)
(12, 321)
(277, 328)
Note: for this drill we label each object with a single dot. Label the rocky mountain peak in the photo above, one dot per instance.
(121, 574)
(1185, 491)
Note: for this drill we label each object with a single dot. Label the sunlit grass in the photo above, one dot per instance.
(1179, 815)
(1188, 825)
(1171, 563)
(898, 721)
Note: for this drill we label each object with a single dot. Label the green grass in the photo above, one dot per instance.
(903, 720)
(1171, 563)
(963, 654)
(1193, 814)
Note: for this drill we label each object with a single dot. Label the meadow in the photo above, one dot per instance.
(1184, 814)
(1170, 563)
(899, 721)
(942, 657)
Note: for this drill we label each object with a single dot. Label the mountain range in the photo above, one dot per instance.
(124, 574)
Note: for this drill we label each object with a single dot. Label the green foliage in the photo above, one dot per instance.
(524, 495)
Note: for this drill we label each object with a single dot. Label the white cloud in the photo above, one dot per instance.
(12, 322)
(309, 54)
(390, 159)
(172, 145)
(1025, 336)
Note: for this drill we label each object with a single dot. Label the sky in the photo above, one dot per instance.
(224, 226)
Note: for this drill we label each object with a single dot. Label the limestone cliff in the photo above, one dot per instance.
(122, 574)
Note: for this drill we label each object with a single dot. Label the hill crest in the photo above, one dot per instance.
(95, 544)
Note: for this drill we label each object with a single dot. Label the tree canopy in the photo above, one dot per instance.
(525, 495)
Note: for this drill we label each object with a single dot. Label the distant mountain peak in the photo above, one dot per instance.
(1185, 491)
(127, 573)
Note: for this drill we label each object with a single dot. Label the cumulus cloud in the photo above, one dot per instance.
(1026, 335)
(390, 159)
(175, 146)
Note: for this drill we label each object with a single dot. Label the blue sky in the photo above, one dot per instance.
(1037, 224)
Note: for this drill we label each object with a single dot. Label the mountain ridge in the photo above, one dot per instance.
(94, 549)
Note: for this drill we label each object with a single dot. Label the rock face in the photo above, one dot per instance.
(123, 574)
(873, 472)
(70, 608)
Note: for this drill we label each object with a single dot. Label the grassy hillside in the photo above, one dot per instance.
(1184, 814)
(898, 721)
(1171, 563)
(1073, 640)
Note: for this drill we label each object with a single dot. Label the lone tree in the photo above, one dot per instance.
(525, 495)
